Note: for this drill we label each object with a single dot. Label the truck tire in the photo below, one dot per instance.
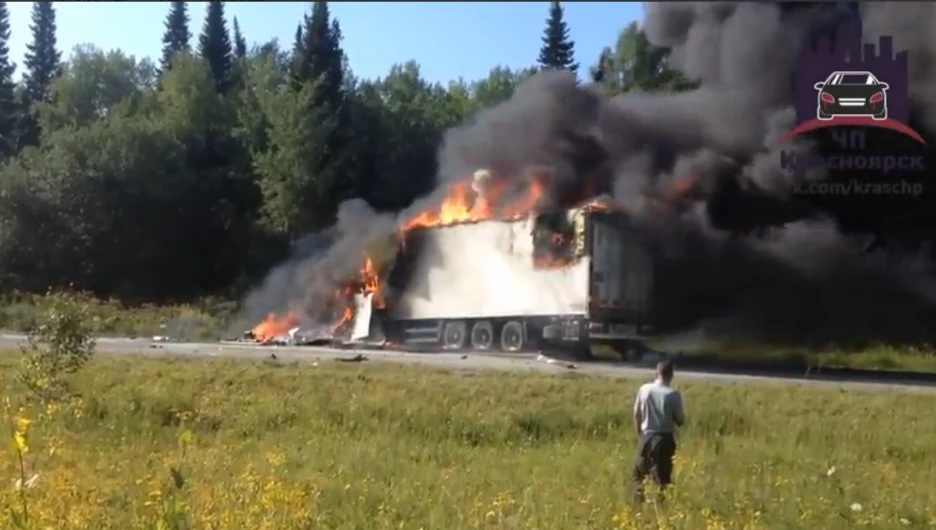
(454, 335)
(511, 338)
(482, 335)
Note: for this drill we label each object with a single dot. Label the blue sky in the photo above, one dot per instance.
(448, 39)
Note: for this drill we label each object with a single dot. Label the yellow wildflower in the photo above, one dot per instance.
(20, 440)
(20, 433)
(276, 459)
(21, 423)
(186, 438)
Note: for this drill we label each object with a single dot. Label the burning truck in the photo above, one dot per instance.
(491, 274)
(561, 279)
(527, 254)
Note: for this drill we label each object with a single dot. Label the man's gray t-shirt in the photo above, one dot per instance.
(660, 408)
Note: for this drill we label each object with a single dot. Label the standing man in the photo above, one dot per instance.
(658, 410)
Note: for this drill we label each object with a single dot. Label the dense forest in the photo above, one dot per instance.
(191, 174)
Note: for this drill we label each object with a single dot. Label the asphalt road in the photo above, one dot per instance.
(457, 361)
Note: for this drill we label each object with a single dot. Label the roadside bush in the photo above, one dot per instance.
(59, 344)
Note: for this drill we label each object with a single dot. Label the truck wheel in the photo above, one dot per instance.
(482, 335)
(453, 335)
(512, 336)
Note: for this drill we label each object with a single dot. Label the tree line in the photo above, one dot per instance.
(158, 182)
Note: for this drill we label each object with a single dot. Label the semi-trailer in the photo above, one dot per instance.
(569, 279)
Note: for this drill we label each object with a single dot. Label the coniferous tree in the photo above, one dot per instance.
(321, 62)
(9, 109)
(177, 36)
(240, 43)
(297, 42)
(214, 45)
(558, 50)
(321, 57)
(296, 55)
(43, 60)
(43, 65)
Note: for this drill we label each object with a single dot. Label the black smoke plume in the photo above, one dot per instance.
(748, 258)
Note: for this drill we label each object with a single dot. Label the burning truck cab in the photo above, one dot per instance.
(565, 279)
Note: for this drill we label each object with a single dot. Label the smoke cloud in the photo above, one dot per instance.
(747, 258)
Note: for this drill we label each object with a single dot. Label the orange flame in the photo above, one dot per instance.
(681, 188)
(371, 280)
(462, 204)
(343, 295)
(602, 205)
(273, 327)
(369, 283)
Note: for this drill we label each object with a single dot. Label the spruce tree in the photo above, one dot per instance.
(321, 61)
(297, 42)
(177, 36)
(8, 105)
(295, 58)
(320, 57)
(214, 45)
(43, 60)
(240, 44)
(558, 49)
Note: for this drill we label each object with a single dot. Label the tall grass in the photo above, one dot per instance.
(229, 444)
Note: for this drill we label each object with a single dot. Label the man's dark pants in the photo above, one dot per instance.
(654, 457)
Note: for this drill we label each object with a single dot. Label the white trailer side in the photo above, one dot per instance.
(486, 270)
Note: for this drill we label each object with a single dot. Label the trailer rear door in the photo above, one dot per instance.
(621, 276)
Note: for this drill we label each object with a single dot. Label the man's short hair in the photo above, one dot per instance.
(665, 369)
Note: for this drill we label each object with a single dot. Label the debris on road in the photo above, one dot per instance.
(356, 359)
(550, 360)
(294, 336)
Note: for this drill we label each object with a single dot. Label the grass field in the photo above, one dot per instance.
(373, 446)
